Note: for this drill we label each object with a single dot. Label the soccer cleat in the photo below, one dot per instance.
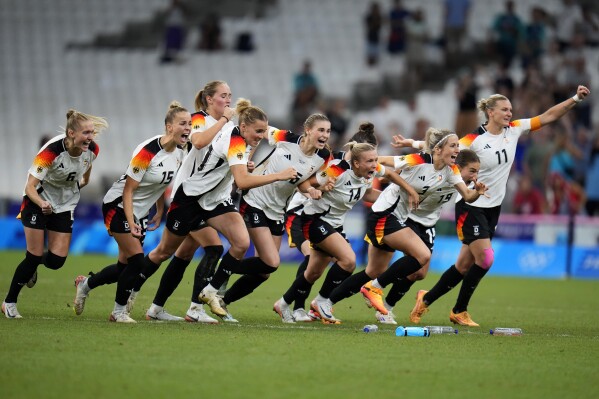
(80, 295)
(158, 313)
(374, 297)
(131, 301)
(32, 280)
(283, 310)
(121, 317)
(420, 307)
(388, 318)
(197, 314)
(228, 318)
(325, 309)
(210, 298)
(463, 319)
(313, 313)
(10, 311)
(302, 316)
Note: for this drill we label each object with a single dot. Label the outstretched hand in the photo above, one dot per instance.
(400, 141)
(582, 92)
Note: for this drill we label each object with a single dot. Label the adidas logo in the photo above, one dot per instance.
(288, 156)
(160, 164)
(486, 147)
(61, 166)
(348, 183)
(421, 178)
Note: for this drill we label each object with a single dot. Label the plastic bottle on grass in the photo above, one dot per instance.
(370, 328)
(402, 331)
(442, 330)
(506, 331)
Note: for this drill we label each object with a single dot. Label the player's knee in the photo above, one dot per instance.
(53, 261)
(488, 258)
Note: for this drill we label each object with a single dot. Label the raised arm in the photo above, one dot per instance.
(202, 139)
(561, 109)
(413, 198)
(469, 194)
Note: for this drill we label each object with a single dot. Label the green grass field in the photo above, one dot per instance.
(52, 353)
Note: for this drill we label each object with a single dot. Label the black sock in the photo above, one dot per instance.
(206, 269)
(298, 288)
(402, 267)
(129, 278)
(349, 287)
(333, 279)
(148, 269)
(109, 275)
(255, 265)
(471, 280)
(398, 290)
(23, 274)
(303, 266)
(244, 286)
(172, 276)
(228, 265)
(450, 278)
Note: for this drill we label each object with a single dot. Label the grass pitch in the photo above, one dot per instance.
(52, 353)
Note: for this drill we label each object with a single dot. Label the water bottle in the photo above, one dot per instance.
(370, 328)
(506, 331)
(442, 330)
(402, 331)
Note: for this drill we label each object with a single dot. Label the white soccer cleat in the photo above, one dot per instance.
(228, 318)
(131, 301)
(158, 313)
(197, 314)
(121, 317)
(388, 318)
(300, 315)
(80, 294)
(284, 311)
(10, 311)
(325, 309)
(209, 297)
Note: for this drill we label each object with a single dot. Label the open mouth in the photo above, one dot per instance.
(185, 137)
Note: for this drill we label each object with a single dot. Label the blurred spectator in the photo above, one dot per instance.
(245, 42)
(396, 43)
(567, 195)
(507, 30)
(210, 33)
(456, 25)
(337, 114)
(590, 25)
(174, 33)
(565, 20)
(416, 60)
(552, 59)
(537, 155)
(504, 84)
(373, 23)
(592, 179)
(534, 37)
(466, 93)
(528, 200)
(305, 95)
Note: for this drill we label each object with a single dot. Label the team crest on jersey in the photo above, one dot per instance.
(439, 177)
(39, 169)
(85, 164)
(239, 155)
(323, 174)
(135, 170)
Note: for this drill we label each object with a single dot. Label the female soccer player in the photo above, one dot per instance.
(324, 224)
(60, 169)
(126, 208)
(387, 230)
(495, 143)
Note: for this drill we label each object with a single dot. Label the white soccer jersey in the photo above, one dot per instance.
(212, 178)
(297, 203)
(154, 169)
(497, 153)
(200, 122)
(59, 173)
(272, 198)
(420, 173)
(429, 210)
(348, 190)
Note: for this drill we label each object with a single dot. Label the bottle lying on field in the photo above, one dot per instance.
(442, 330)
(506, 331)
(402, 331)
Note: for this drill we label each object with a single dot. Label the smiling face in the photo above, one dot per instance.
(501, 114)
(318, 135)
(180, 127)
(221, 99)
(82, 135)
(366, 164)
(449, 151)
(254, 132)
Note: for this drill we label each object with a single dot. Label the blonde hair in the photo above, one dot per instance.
(208, 91)
(249, 113)
(74, 119)
(485, 104)
(356, 149)
(312, 119)
(173, 109)
(436, 138)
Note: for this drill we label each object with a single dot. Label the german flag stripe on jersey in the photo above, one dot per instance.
(467, 140)
(93, 147)
(535, 123)
(455, 169)
(45, 158)
(335, 170)
(142, 159)
(279, 135)
(460, 225)
(237, 147)
(198, 120)
(411, 160)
